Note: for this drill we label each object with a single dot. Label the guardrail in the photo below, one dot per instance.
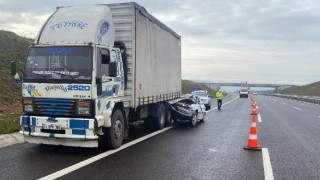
(298, 98)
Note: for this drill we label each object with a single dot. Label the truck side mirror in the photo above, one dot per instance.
(14, 72)
(13, 68)
(113, 69)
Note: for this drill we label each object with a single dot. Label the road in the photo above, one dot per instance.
(289, 130)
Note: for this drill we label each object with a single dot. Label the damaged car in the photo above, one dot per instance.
(188, 109)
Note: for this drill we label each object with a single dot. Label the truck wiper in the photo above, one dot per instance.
(72, 77)
(42, 75)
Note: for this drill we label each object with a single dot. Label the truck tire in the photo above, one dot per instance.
(193, 120)
(113, 136)
(168, 120)
(159, 121)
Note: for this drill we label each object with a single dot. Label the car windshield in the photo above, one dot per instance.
(244, 90)
(201, 94)
(59, 63)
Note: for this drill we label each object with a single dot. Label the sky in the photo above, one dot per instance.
(269, 41)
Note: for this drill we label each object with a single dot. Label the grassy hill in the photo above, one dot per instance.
(187, 87)
(12, 47)
(312, 89)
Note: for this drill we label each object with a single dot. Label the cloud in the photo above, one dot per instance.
(275, 41)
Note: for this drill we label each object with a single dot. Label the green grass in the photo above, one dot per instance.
(8, 125)
(187, 87)
(312, 89)
(12, 47)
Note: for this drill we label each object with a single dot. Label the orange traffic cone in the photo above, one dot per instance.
(253, 143)
(254, 111)
(254, 105)
(254, 119)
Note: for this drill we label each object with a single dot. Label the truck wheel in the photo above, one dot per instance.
(160, 119)
(168, 121)
(193, 120)
(113, 136)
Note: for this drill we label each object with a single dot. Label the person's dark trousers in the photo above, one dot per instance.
(219, 104)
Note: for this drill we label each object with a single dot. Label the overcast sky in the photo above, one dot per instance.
(269, 41)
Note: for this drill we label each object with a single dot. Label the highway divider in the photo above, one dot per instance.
(298, 98)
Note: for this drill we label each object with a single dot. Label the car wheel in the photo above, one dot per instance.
(193, 120)
(202, 120)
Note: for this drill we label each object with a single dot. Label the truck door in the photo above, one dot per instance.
(109, 73)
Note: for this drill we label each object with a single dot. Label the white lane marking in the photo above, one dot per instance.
(283, 103)
(318, 116)
(212, 150)
(297, 108)
(223, 104)
(268, 174)
(275, 100)
(259, 118)
(100, 156)
(257, 107)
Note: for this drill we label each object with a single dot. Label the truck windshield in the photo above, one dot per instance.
(59, 63)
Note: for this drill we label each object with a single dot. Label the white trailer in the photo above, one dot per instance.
(94, 69)
(154, 62)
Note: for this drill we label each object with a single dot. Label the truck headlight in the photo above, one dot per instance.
(84, 110)
(83, 107)
(27, 105)
(28, 108)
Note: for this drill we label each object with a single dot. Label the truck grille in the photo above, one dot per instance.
(56, 107)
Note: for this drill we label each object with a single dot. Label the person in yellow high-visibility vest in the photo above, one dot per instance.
(219, 96)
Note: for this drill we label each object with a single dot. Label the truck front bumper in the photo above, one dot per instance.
(78, 132)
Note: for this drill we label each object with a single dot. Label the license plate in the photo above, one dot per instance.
(51, 126)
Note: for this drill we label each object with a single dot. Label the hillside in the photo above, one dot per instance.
(312, 89)
(187, 87)
(12, 47)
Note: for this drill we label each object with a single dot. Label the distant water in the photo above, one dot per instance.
(237, 88)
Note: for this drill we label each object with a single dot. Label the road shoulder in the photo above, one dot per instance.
(10, 139)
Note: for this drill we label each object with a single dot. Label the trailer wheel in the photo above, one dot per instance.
(168, 121)
(193, 120)
(159, 121)
(113, 136)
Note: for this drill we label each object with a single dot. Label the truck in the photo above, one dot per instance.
(93, 70)
(244, 90)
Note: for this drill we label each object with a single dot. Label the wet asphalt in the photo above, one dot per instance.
(211, 150)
